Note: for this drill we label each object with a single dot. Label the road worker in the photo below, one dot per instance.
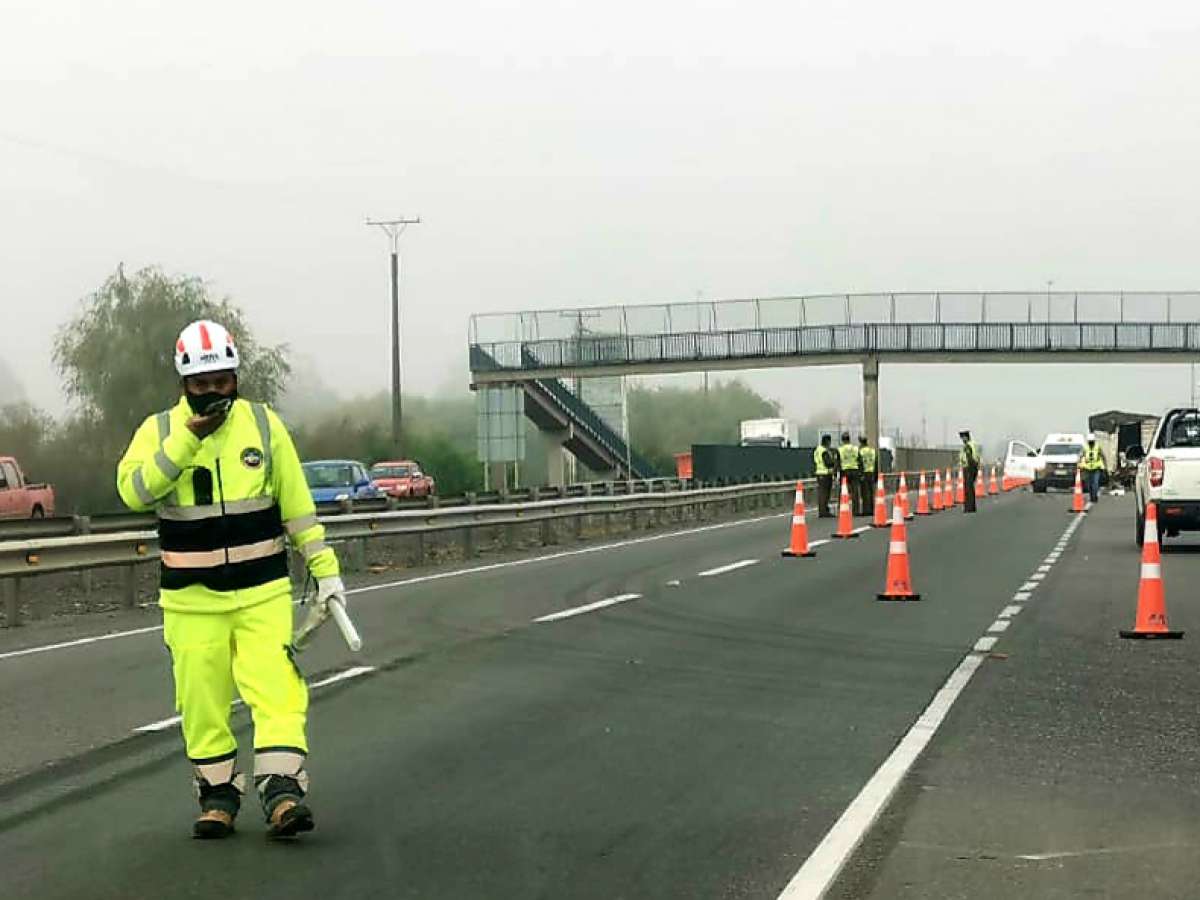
(223, 477)
(968, 459)
(1092, 463)
(826, 463)
(848, 462)
(868, 461)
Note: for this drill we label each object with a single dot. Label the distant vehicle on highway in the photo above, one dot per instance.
(18, 498)
(403, 478)
(1057, 461)
(769, 433)
(1168, 474)
(340, 479)
(1020, 462)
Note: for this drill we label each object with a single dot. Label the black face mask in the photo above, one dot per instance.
(200, 402)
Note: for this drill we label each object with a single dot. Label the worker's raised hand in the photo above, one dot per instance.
(203, 426)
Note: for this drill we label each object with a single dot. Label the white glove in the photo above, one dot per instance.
(330, 600)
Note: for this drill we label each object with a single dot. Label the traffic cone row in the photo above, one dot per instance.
(1151, 618)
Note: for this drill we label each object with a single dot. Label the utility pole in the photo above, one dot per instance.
(393, 228)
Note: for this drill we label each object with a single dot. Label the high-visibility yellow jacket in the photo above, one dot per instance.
(866, 456)
(224, 506)
(849, 457)
(969, 454)
(819, 460)
(1092, 458)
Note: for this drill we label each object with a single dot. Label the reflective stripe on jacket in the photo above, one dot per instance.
(225, 506)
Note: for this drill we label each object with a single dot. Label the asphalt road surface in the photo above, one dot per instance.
(695, 731)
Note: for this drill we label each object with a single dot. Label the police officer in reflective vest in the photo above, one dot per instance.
(223, 477)
(968, 458)
(868, 461)
(848, 462)
(825, 461)
(1092, 463)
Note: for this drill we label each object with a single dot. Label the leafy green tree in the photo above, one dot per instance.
(668, 420)
(116, 356)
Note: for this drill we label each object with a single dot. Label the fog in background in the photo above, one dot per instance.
(568, 153)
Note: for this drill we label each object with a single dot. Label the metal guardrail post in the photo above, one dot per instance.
(130, 586)
(548, 533)
(11, 589)
(468, 542)
(420, 554)
(83, 525)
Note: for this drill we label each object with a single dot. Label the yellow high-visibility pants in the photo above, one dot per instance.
(214, 654)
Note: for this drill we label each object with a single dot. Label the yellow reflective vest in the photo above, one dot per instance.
(819, 460)
(1093, 458)
(866, 456)
(849, 457)
(969, 455)
(225, 506)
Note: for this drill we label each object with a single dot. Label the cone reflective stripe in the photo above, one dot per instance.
(845, 527)
(937, 490)
(1077, 496)
(902, 496)
(799, 542)
(922, 498)
(960, 494)
(881, 516)
(993, 487)
(898, 581)
(1151, 619)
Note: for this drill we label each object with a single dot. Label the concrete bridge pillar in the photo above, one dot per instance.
(556, 463)
(870, 376)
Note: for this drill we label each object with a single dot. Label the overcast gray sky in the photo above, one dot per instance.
(569, 153)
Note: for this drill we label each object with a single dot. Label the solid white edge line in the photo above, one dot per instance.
(344, 675)
(825, 863)
(587, 607)
(433, 576)
(79, 642)
(730, 567)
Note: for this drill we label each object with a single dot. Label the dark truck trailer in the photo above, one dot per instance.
(728, 464)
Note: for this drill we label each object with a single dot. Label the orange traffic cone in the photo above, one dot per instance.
(845, 527)
(880, 520)
(937, 491)
(980, 490)
(898, 584)
(902, 494)
(960, 493)
(922, 498)
(993, 487)
(1005, 483)
(948, 491)
(799, 545)
(1077, 497)
(1151, 621)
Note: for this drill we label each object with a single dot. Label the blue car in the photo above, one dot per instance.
(339, 479)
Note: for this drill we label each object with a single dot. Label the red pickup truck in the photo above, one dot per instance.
(18, 498)
(402, 478)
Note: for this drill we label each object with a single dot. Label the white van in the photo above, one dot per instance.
(1020, 461)
(1058, 461)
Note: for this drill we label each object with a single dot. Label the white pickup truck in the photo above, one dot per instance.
(1168, 474)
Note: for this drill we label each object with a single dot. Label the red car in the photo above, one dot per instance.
(18, 498)
(402, 478)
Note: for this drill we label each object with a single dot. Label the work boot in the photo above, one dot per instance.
(282, 801)
(219, 805)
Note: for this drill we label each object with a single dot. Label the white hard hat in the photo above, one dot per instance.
(1091, 435)
(205, 347)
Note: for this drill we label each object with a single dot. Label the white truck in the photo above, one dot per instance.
(769, 433)
(1168, 474)
(1057, 461)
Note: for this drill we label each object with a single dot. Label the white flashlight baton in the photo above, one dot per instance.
(345, 626)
